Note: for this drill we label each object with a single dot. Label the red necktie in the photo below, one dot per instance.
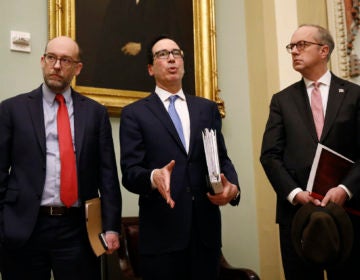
(68, 176)
(317, 109)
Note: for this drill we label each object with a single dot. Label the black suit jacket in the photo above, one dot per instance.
(149, 140)
(23, 162)
(290, 139)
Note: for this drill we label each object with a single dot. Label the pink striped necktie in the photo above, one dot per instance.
(317, 109)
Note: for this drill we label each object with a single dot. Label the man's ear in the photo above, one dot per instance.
(325, 51)
(79, 66)
(150, 69)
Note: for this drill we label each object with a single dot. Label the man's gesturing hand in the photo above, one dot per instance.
(161, 178)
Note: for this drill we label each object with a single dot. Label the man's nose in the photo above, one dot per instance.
(171, 56)
(57, 63)
(294, 50)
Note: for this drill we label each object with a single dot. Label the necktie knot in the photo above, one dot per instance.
(173, 98)
(316, 85)
(60, 98)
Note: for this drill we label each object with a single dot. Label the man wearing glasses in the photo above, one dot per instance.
(56, 152)
(163, 161)
(320, 108)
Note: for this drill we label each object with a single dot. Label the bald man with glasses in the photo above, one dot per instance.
(56, 152)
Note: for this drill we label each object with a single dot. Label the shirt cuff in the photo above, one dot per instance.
(292, 195)
(350, 195)
(152, 180)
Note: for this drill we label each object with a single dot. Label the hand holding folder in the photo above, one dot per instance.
(327, 171)
(94, 226)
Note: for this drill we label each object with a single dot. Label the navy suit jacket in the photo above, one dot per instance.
(149, 140)
(23, 162)
(290, 140)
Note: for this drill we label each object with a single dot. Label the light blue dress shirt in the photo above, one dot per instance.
(51, 193)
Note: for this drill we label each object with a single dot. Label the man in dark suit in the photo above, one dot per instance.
(180, 223)
(291, 137)
(38, 232)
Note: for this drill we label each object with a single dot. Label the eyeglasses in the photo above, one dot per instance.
(301, 45)
(164, 54)
(65, 62)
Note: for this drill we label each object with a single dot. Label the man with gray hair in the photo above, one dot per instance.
(320, 108)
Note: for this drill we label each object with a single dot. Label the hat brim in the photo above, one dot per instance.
(341, 220)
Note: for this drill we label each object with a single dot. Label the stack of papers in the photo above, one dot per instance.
(212, 159)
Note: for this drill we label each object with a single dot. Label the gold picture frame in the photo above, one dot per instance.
(61, 15)
(337, 26)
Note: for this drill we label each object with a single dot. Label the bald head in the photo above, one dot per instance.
(65, 44)
(60, 63)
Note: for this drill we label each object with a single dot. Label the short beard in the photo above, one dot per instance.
(56, 87)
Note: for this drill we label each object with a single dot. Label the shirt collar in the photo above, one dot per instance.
(49, 95)
(324, 79)
(164, 95)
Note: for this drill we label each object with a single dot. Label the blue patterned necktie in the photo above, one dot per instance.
(175, 118)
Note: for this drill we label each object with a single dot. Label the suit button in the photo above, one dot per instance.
(188, 189)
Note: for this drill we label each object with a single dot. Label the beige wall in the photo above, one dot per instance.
(269, 26)
(264, 80)
(310, 11)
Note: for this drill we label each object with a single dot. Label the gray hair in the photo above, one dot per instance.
(323, 36)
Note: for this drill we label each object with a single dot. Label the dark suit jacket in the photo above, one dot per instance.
(23, 162)
(290, 140)
(149, 140)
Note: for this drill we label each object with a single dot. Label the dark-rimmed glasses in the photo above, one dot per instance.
(65, 62)
(164, 54)
(301, 45)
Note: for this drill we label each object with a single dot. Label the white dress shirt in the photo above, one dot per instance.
(183, 112)
(324, 88)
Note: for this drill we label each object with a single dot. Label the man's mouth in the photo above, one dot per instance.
(172, 69)
(55, 77)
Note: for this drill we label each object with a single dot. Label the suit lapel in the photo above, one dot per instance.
(302, 102)
(79, 121)
(37, 117)
(156, 106)
(194, 112)
(337, 93)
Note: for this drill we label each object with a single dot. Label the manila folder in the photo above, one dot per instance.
(94, 224)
